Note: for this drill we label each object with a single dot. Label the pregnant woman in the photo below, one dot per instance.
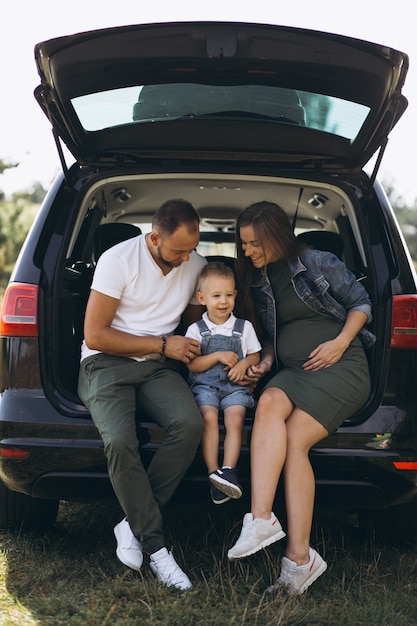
(310, 313)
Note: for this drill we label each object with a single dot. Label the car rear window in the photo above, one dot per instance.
(167, 102)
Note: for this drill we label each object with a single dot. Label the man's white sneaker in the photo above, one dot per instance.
(295, 579)
(256, 534)
(167, 570)
(129, 550)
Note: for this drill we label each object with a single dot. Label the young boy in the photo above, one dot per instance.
(228, 346)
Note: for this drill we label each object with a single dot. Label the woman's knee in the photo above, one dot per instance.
(273, 401)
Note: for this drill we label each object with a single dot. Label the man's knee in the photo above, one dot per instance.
(188, 427)
(120, 444)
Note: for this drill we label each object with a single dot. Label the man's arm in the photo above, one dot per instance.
(99, 335)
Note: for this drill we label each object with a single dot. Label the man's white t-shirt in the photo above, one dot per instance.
(151, 304)
(249, 340)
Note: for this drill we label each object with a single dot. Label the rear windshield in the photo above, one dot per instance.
(166, 102)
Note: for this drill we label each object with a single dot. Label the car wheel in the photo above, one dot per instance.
(20, 511)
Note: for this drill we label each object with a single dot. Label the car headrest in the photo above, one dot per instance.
(108, 235)
(323, 240)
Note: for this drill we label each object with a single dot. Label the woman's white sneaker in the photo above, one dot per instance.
(167, 570)
(129, 550)
(295, 579)
(257, 533)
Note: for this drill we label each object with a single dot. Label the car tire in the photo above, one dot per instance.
(19, 511)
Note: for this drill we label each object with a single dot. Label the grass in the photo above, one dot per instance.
(70, 575)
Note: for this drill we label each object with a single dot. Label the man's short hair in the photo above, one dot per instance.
(174, 213)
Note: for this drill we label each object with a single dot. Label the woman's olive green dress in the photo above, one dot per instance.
(332, 394)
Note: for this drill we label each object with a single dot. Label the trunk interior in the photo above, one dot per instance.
(326, 215)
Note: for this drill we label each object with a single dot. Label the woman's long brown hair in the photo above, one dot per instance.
(273, 230)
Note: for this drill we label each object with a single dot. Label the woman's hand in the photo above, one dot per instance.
(254, 373)
(325, 355)
(330, 352)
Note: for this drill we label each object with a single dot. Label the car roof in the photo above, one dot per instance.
(221, 90)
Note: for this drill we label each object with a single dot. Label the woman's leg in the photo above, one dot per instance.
(303, 432)
(268, 449)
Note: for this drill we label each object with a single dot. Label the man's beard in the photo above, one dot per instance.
(168, 263)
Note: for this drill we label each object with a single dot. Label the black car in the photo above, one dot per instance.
(223, 115)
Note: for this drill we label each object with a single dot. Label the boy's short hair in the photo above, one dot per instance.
(215, 268)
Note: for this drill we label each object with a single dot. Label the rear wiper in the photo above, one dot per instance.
(240, 115)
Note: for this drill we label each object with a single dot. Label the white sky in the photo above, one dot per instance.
(25, 135)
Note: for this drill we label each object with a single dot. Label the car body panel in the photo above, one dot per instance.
(219, 58)
(221, 162)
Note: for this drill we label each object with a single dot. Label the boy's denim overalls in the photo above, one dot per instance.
(213, 386)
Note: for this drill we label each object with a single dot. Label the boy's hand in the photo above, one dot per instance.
(238, 372)
(229, 359)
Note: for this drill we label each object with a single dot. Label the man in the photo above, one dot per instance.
(130, 357)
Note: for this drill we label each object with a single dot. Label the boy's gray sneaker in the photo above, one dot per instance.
(226, 480)
(167, 570)
(295, 579)
(256, 534)
(129, 550)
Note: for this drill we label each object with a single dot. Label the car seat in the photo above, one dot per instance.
(323, 240)
(108, 235)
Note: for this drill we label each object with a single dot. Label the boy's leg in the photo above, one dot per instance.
(210, 438)
(234, 417)
(225, 478)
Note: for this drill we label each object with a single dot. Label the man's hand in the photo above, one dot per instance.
(182, 348)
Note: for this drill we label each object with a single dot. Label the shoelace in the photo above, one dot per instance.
(170, 564)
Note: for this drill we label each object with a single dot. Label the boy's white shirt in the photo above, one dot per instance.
(249, 340)
(128, 269)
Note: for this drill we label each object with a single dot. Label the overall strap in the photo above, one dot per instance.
(203, 328)
(238, 327)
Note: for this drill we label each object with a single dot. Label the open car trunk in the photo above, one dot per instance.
(326, 215)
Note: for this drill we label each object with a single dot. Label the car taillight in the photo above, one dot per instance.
(19, 312)
(404, 322)
(406, 465)
(13, 453)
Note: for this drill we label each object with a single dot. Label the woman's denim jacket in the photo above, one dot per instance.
(324, 283)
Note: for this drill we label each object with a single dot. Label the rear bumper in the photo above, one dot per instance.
(361, 478)
(347, 480)
(64, 459)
